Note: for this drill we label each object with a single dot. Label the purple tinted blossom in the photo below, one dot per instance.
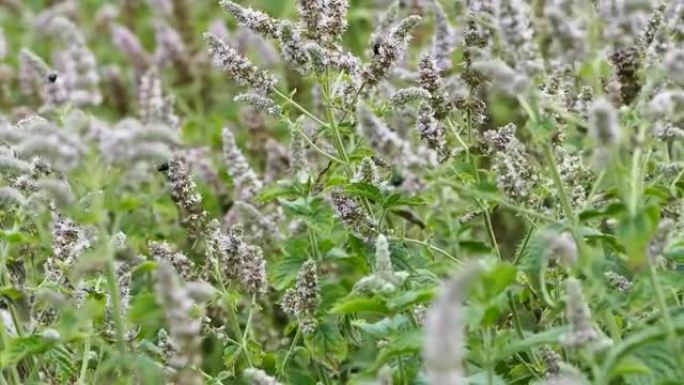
(237, 66)
(255, 20)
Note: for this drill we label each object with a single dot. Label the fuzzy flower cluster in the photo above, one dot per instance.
(582, 332)
(246, 181)
(384, 279)
(444, 345)
(515, 174)
(184, 194)
(184, 328)
(301, 300)
(240, 260)
(237, 66)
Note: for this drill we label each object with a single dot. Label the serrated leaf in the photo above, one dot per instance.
(360, 304)
(409, 298)
(364, 190)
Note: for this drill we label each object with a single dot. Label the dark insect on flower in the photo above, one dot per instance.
(164, 167)
(52, 77)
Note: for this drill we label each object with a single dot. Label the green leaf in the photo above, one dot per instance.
(635, 231)
(549, 336)
(13, 237)
(407, 299)
(494, 281)
(396, 200)
(359, 304)
(11, 293)
(22, 347)
(364, 190)
(481, 378)
(405, 343)
(327, 344)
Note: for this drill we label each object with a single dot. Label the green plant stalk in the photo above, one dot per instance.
(233, 321)
(311, 143)
(248, 325)
(337, 139)
(286, 359)
(300, 108)
(501, 202)
(429, 246)
(82, 380)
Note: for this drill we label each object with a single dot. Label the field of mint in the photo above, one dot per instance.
(332, 192)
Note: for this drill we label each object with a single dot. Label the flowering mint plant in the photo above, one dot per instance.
(336, 192)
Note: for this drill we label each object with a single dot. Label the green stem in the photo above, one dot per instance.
(429, 246)
(500, 201)
(312, 144)
(300, 108)
(82, 380)
(286, 359)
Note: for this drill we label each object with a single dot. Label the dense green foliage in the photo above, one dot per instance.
(412, 192)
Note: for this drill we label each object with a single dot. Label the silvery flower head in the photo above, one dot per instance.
(52, 85)
(184, 193)
(261, 103)
(388, 51)
(246, 181)
(581, 329)
(604, 127)
(237, 66)
(301, 300)
(431, 131)
(336, 18)
(408, 95)
(292, 45)
(384, 279)
(253, 19)
(444, 347)
(312, 16)
(259, 377)
(80, 67)
(184, 329)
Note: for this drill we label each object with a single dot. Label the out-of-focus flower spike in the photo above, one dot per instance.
(184, 329)
(161, 8)
(131, 47)
(81, 72)
(444, 38)
(3, 45)
(444, 346)
(54, 92)
(246, 181)
(172, 49)
(604, 127)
